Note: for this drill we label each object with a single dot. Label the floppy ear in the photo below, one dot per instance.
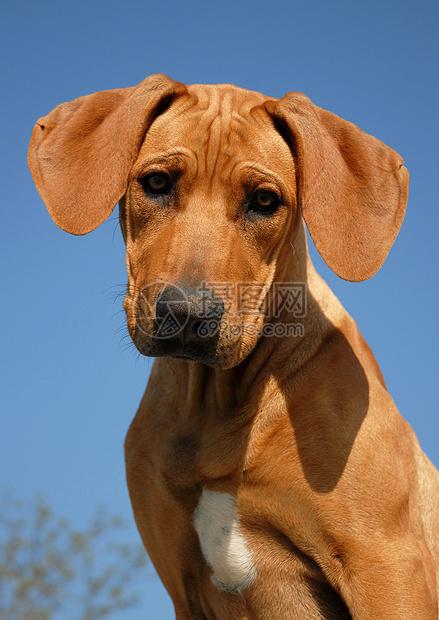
(81, 153)
(352, 188)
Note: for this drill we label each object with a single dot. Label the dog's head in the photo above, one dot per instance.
(212, 182)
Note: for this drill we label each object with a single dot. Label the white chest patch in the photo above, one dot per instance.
(223, 545)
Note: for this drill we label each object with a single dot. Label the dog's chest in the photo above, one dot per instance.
(180, 463)
(193, 460)
(206, 447)
(223, 542)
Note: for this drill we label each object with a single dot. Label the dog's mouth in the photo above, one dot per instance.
(200, 342)
(195, 323)
(169, 321)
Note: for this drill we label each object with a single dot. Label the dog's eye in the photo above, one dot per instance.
(157, 183)
(264, 203)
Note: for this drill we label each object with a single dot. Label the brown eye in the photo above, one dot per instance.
(157, 183)
(264, 203)
(265, 199)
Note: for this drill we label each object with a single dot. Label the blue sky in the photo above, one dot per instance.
(70, 381)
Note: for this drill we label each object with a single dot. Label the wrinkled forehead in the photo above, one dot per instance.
(219, 125)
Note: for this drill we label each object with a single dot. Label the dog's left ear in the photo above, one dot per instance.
(81, 154)
(352, 188)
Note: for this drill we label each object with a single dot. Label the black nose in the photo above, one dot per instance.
(172, 300)
(189, 313)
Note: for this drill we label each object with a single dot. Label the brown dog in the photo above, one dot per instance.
(270, 472)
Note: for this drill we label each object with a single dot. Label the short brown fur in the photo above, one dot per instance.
(337, 502)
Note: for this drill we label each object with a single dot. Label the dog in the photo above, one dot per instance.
(270, 473)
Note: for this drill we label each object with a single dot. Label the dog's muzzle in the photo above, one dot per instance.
(183, 322)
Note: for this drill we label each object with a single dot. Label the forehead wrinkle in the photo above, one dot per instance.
(172, 157)
(217, 123)
(214, 129)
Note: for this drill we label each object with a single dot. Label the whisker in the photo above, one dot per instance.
(115, 219)
(114, 295)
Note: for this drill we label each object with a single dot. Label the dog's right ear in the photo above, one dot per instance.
(352, 188)
(80, 154)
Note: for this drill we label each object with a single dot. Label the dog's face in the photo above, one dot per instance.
(210, 204)
(212, 181)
